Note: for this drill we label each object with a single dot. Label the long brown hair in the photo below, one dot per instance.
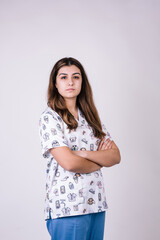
(84, 99)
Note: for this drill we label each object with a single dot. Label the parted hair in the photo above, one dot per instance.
(84, 100)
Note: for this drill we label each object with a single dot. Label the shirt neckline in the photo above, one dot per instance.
(82, 120)
(79, 115)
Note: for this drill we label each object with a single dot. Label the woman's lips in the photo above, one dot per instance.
(70, 89)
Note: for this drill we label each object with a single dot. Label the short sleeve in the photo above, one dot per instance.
(51, 132)
(106, 131)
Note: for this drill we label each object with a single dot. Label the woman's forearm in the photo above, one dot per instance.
(72, 162)
(82, 165)
(105, 158)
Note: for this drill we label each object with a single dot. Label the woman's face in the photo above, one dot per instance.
(69, 81)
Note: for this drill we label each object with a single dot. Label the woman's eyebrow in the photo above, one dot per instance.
(67, 74)
(76, 73)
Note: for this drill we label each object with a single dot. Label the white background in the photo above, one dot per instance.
(117, 42)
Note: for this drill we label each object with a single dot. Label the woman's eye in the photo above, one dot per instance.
(64, 77)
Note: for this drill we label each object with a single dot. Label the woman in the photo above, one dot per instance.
(76, 145)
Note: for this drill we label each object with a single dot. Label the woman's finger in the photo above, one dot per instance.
(110, 145)
(100, 145)
(108, 142)
(105, 144)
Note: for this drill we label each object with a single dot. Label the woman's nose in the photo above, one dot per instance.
(70, 81)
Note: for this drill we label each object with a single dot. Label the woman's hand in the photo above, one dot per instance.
(105, 144)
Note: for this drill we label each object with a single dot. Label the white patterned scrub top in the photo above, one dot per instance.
(70, 193)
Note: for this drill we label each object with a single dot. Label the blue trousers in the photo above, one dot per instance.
(79, 227)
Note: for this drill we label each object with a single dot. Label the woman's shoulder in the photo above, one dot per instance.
(50, 113)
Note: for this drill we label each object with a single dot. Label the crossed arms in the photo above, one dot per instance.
(86, 161)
